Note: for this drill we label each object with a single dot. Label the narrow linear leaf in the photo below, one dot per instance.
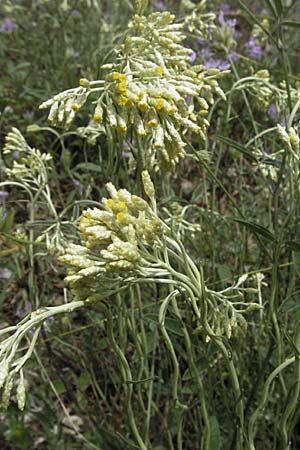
(172, 325)
(272, 7)
(6, 220)
(291, 23)
(255, 20)
(293, 245)
(258, 229)
(215, 440)
(240, 148)
(278, 6)
(89, 167)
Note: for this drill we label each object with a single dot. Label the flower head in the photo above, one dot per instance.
(114, 239)
(254, 49)
(7, 25)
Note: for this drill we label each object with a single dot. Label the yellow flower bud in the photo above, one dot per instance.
(115, 76)
(122, 87)
(98, 118)
(159, 104)
(84, 82)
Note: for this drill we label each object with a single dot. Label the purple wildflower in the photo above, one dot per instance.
(3, 196)
(216, 63)
(7, 25)
(284, 118)
(160, 5)
(28, 115)
(226, 22)
(205, 52)
(237, 34)
(225, 7)
(75, 13)
(254, 49)
(201, 41)
(81, 187)
(234, 56)
(192, 56)
(272, 111)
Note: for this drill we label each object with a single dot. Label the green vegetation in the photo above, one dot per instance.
(149, 225)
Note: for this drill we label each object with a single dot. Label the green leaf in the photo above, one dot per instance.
(189, 374)
(6, 221)
(172, 325)
(83, 381)
(291, 303)
(272, 7)
(278, 6)
(224, 272)
(296, 261)
(291, 23)
(103, 343)
(240, 148)
(215, 437)
(255, 20)
(89, 167)
(59, 386)
(293, 245)
(257, 229)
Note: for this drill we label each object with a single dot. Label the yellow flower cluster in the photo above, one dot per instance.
(113, 238)
(151, 93)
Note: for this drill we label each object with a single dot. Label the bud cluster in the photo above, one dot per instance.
(63, 106)
(149, 93)
(198, 21)
(113, 238)
(290, 139)
(225, 316)
(31, 166)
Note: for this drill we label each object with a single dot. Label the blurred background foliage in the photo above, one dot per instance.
(75, 390)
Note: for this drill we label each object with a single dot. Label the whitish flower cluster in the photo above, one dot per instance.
(13, 358)
(290, 138)
(7, 381)
(63, 106)
(264, 92)
(291, 141)
(113, 239)
(226, 310)
(31, 167)
(152, 93)
(197, 20)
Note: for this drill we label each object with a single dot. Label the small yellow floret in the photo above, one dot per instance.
(159, 104)
(98, 118)
(122, 129)
(152, 123)
(122, 87)
(122, 77)
(122, 100)
(84, 82)
(173, 109)
(121, 206)
(129, 103)
(110, 203)
(120, 216)
(75, 107)
(115, 76)
(143, 106)
(159, 70)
